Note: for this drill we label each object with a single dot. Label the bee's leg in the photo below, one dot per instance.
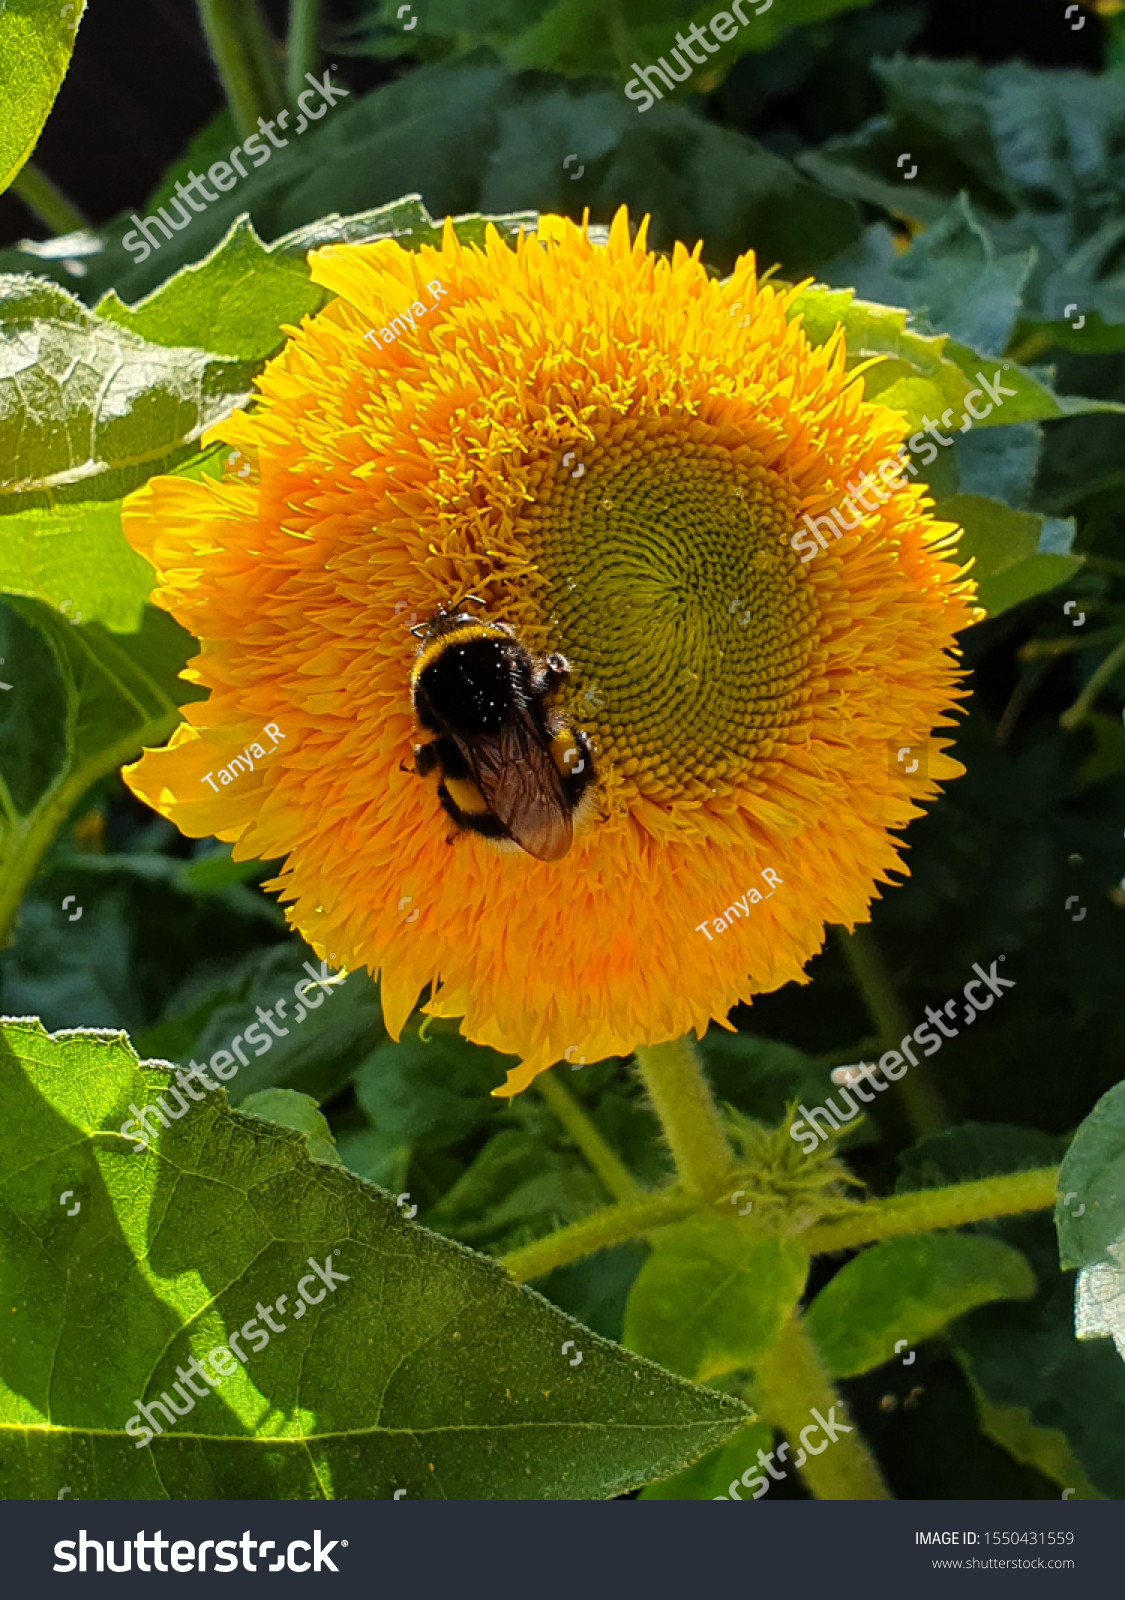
(425, 760)
(552, 670)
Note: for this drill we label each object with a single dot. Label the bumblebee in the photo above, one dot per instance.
(512, 769)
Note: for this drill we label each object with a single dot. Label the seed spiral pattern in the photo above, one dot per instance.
(614, 450)
(683, 611)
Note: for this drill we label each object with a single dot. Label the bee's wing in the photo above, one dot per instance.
(520, 785)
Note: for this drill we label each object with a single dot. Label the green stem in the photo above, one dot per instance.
(27, 844)
(614, 1225)
(673, 1075)
(924, 1209)
(920, 1099)
(917, 1212)
(1031, 346)
(789, 1382)
(1048, 649)
(302, 52)
(243, 51)
(610, 1168)
(46, 201)
(1078, 712)
(1029, 681)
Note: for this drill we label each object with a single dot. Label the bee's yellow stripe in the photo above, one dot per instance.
(457, 636)
(466, 796)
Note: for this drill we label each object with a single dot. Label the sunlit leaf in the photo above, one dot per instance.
(712, 1297)
(36, 40)
(415, 1364)
(904, 1290)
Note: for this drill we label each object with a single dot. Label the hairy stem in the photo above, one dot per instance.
(918, 1212)
(789, 1383)
(612, 1226)
(610, 1168)
(922, 1103)
(243, 51)
(46, 201)
(924, 1209)
(25, 845)
(673, 1075)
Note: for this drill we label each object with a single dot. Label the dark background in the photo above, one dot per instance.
(141, 84)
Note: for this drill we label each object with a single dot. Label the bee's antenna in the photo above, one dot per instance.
(419, 628)
(474, 598)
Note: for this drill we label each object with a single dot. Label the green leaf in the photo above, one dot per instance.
(471, 137)
(1045, 1449)
(234, 301)
(909, 1289)
(762, 1077)
(581, 36)
(713, 1477)
(712, 1297)
(431, 1088)
(1026, 1357)
(595, 1291)
(1033, 149)
(76, 558)
(423, 1366)
(94, 701)
(406, 220)
(1090, 1211)
(90, 411)
(142, 925)
(952, 278)
(1010, 565)
(864, 166)
(927, 375)
(1092, 337)
(316, 1049)
(371, 1155)
(942, 113)
(516, 1182)
(975, 1150)
(36, 40)
(1023, 1354)
(1002, 463)
(289, 1109)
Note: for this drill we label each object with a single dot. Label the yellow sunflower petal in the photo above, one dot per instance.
(616, 451)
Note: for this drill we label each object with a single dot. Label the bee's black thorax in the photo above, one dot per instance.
(470, 685)
(512, 768)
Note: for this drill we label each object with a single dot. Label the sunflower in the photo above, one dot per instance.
(615, 452)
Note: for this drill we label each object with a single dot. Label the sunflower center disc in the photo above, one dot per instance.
(672, 589)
